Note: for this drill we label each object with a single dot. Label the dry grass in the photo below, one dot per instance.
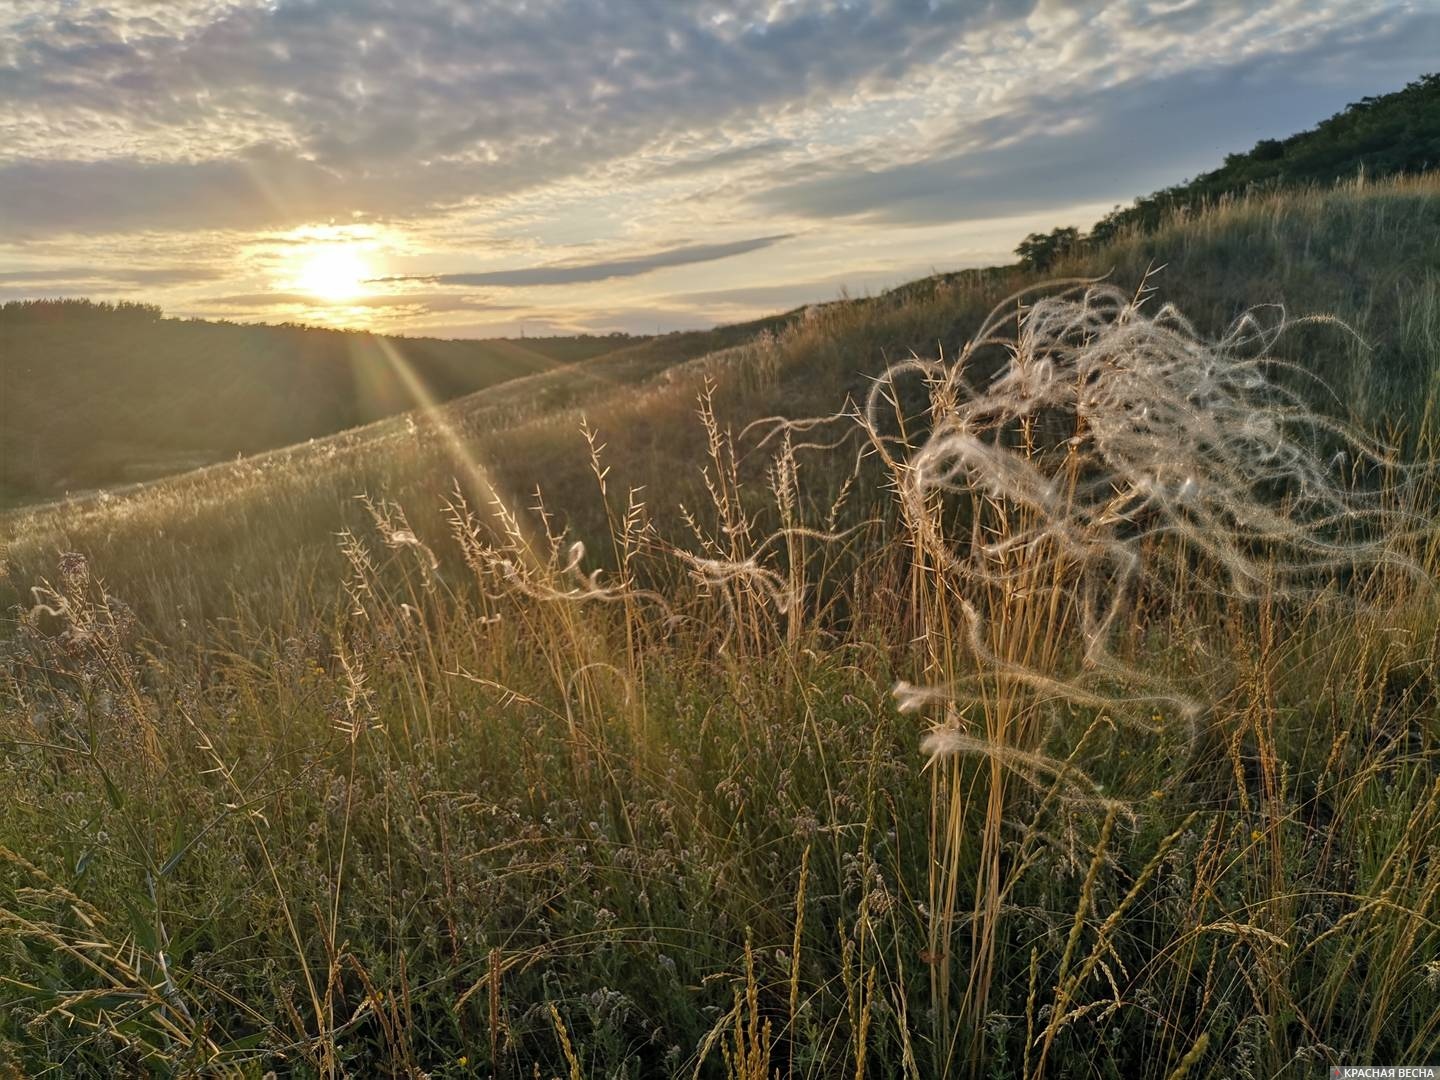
(617, 782)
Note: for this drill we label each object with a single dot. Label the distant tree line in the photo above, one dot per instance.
(94, 393)
(1376, 136)
(72, 310)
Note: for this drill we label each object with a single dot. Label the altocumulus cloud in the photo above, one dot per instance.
(125, 275)
(426, 302)
(272, 113)
(143, 115)
(578, 273)
(1090, 144)
(891, 132)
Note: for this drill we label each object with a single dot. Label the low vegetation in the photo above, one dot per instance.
(1058, 700)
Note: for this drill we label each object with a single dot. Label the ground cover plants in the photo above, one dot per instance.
(1054, 700)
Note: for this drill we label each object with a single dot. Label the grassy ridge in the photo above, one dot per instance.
(1365, 255)
(1376, 137)
(428, 795)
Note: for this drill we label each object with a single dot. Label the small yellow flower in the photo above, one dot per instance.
(462, 1061)
(1157, 794)
(1255, 835)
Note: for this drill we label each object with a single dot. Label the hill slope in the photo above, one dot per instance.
(1362, 253)
(95, 394)
(447, 794)
(1375, 137)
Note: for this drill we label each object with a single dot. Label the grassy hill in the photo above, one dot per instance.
(1363, 254)
(1377, 137)
(93, 395)
(835, 766)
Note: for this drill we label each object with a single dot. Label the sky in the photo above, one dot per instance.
(475, 168)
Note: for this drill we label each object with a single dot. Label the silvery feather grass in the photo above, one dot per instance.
(616, 782)
(1116, 448)
(1115, 461)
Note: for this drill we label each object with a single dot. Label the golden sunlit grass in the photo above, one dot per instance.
(455, 794)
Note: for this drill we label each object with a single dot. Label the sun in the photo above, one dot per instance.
(332, 272)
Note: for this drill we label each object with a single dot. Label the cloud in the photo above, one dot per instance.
(141, 115)
(422, 303)
(578, 273)
(271, 114)
(1115, 142)
(124, 195)
(124, 275)
(184, 132)
(794, 294)
(724, 159)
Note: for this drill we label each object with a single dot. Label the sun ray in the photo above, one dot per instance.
(474, 477)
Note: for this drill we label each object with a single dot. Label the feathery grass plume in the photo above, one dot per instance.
(80, 682)
(1112, 448)
(1078, 461)
(516, 568)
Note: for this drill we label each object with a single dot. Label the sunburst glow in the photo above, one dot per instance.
(332, 272)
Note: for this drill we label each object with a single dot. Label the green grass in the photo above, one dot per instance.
(302, 782)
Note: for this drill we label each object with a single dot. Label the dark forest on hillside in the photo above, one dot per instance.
(94, 394)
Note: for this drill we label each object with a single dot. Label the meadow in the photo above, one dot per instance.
(1002, 676)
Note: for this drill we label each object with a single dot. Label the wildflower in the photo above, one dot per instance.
(1255, 835)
